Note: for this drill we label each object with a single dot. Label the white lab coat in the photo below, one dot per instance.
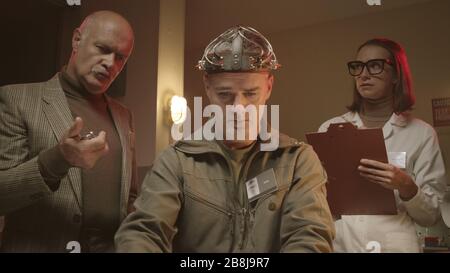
(397, 233)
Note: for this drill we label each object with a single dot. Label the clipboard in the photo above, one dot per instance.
(340, 150)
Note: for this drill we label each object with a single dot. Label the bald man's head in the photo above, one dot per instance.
(106, 17)
(100, 48)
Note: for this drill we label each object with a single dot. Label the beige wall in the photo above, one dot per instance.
(170, 66)
(313, 84)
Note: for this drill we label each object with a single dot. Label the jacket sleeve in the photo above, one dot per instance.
(151, 227)
(429, 175)
(21, 182)
(307, 224)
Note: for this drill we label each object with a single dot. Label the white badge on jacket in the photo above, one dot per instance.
(260, 185)
(398, 159)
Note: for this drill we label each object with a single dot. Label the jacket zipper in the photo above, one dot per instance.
(233, 231)
(245, 209)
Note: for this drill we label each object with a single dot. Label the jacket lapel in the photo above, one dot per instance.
(354, 118)
(400, 120)
(122, 127)
(57, 112)
(387, 128)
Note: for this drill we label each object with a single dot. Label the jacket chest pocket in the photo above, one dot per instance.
(207, 196)
(203, 204)
(204, 222)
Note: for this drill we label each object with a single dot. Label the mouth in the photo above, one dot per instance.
(366, 85)
(101, 75)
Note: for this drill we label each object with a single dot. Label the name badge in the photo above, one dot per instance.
(260, 185)
(398, 159)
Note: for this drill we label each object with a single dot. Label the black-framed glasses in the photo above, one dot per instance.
(374, 66)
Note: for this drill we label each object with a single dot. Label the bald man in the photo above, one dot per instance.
(67, 161)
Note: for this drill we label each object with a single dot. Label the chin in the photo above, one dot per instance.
(238, 143)
(95, 89)
(369, 94)
(96, 92)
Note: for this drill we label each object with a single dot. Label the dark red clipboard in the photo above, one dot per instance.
(340, 150)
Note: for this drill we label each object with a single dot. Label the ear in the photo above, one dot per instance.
(76, 39)
(270, 80)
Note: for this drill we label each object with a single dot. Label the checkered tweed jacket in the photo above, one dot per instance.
(33, 117)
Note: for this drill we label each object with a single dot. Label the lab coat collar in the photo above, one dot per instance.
(400, 120)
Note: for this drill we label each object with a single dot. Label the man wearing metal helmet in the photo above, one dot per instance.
(227, 194)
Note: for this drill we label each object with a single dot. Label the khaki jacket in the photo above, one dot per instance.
(189, 203)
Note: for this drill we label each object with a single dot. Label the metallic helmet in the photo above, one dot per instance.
(239, 49)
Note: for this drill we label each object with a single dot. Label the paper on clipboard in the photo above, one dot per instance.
(340, 149)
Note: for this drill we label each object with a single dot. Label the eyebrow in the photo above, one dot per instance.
(222, 88)
(226, 88)
(112, 49)
(252, 89)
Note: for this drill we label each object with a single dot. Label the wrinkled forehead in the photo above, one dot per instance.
(113, 34)
(237, 79)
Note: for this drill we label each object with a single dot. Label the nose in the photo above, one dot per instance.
(365, 73)
(108, 61)
(239, 99)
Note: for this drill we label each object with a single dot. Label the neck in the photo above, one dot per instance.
(382, 107)
(69, 73)
(234, 145)
(74, 87)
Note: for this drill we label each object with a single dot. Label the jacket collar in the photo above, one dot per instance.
(211, 146)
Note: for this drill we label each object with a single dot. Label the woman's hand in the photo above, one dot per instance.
(388, 176)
